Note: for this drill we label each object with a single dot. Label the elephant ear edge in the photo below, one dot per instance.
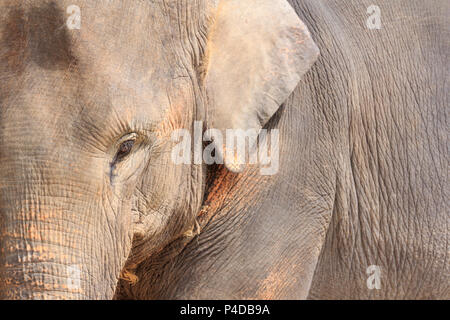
(257, 52)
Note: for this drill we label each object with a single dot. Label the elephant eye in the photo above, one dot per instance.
(125, 149)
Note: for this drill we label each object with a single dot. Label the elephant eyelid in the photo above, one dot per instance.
(124, 147)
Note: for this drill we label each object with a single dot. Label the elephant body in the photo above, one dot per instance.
(390, 198)
(362, 176)
(91, 206)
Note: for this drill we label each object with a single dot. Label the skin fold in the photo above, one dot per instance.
(87, 214)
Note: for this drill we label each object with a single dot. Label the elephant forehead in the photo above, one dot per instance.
(119, 63)
(130, 40)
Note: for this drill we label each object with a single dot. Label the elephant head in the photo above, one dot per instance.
(87, 185)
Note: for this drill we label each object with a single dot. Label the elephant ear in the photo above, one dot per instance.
(257, 52)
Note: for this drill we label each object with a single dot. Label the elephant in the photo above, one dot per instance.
(92, 205)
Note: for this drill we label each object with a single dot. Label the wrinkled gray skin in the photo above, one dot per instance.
(363, 165)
